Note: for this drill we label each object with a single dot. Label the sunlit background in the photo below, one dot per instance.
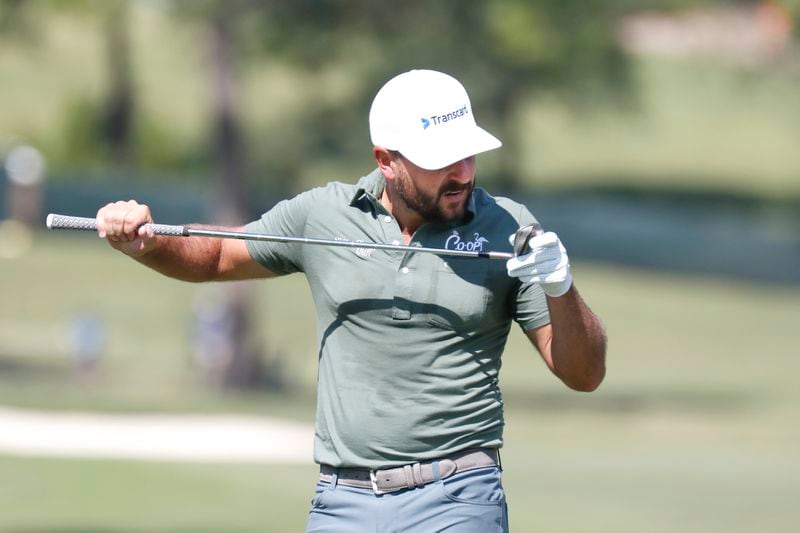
(659, 138)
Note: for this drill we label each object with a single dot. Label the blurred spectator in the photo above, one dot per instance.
(87, 342)
(25, 170)
(212, 332)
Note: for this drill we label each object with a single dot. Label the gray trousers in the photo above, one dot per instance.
(469, 502)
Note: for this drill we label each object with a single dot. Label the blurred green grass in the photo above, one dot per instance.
(687, 125)
(694, 429)
(56, 496)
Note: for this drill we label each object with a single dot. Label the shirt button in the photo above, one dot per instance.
(387, 218)
(404, 270)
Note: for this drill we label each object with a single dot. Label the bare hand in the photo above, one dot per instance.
(120, 223)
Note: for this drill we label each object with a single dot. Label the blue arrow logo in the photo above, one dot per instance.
(425, 123)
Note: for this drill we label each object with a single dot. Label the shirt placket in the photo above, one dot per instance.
(404, 271)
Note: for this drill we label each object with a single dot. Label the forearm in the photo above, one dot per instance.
(194, 259)
(578, 344)
(125, 226)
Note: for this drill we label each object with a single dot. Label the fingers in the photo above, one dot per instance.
(546, 253)
(145, 233)
(547, 264)
(547, 256)
(537, 241)
(545, 240)
(553, 276)
(120, 222)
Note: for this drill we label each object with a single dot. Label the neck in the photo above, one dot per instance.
(409, 220)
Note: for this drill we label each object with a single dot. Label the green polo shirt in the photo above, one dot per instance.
(409, 344)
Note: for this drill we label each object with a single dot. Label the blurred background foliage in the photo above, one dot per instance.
(583, 93)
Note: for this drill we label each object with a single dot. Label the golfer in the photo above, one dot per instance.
(409, 410)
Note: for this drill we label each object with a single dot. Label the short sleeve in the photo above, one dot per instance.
(287, 218)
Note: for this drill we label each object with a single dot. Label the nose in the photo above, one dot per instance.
(463, 170)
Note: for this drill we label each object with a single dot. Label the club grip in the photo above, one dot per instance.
(55, 221)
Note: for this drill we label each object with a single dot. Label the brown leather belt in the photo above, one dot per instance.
(411, 475)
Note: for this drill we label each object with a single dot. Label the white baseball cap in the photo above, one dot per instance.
(427, 116)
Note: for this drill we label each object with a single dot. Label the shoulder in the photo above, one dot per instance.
(325, 196)
(495, 209)
(332, 191)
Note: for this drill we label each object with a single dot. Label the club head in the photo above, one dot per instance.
(523, 235)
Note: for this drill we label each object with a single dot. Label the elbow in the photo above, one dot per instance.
(581, 368)
(587, 381)
(593, 370)
(587, 384)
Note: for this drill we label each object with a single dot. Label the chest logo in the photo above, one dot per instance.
(362, 252)
(455, 242)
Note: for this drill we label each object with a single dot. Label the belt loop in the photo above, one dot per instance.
(499, 461)
(411, 481)
(334, 478)
(416, 472)
(437, 476)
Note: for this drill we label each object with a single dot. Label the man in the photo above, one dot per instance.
(409, 411)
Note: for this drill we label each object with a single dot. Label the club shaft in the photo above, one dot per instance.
(55, 221)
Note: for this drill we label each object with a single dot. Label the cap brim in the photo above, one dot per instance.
(438, 151)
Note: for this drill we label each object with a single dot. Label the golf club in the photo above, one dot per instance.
(55, 221)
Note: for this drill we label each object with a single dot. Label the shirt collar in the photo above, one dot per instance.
(370, 188)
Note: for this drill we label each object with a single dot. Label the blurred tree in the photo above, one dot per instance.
(116, 127)
(226, 128)
(15, 19)
(244, 367)
(503, 50)
(109, 123)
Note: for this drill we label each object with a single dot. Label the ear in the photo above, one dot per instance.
(385, 160)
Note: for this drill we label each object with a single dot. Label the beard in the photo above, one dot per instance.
(429, 206)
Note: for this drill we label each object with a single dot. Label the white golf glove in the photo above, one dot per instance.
(546, 264)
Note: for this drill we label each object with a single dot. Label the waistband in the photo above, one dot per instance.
(412, 475)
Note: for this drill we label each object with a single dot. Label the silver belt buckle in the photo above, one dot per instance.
(373, 478)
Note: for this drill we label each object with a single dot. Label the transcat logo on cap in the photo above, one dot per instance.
(435, 120)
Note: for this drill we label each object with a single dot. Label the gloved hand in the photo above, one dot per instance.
(546, 264)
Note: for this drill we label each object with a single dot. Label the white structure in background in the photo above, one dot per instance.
(745, 35)
(195, 438)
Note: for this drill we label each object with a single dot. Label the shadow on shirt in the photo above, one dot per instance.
(411, 315)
